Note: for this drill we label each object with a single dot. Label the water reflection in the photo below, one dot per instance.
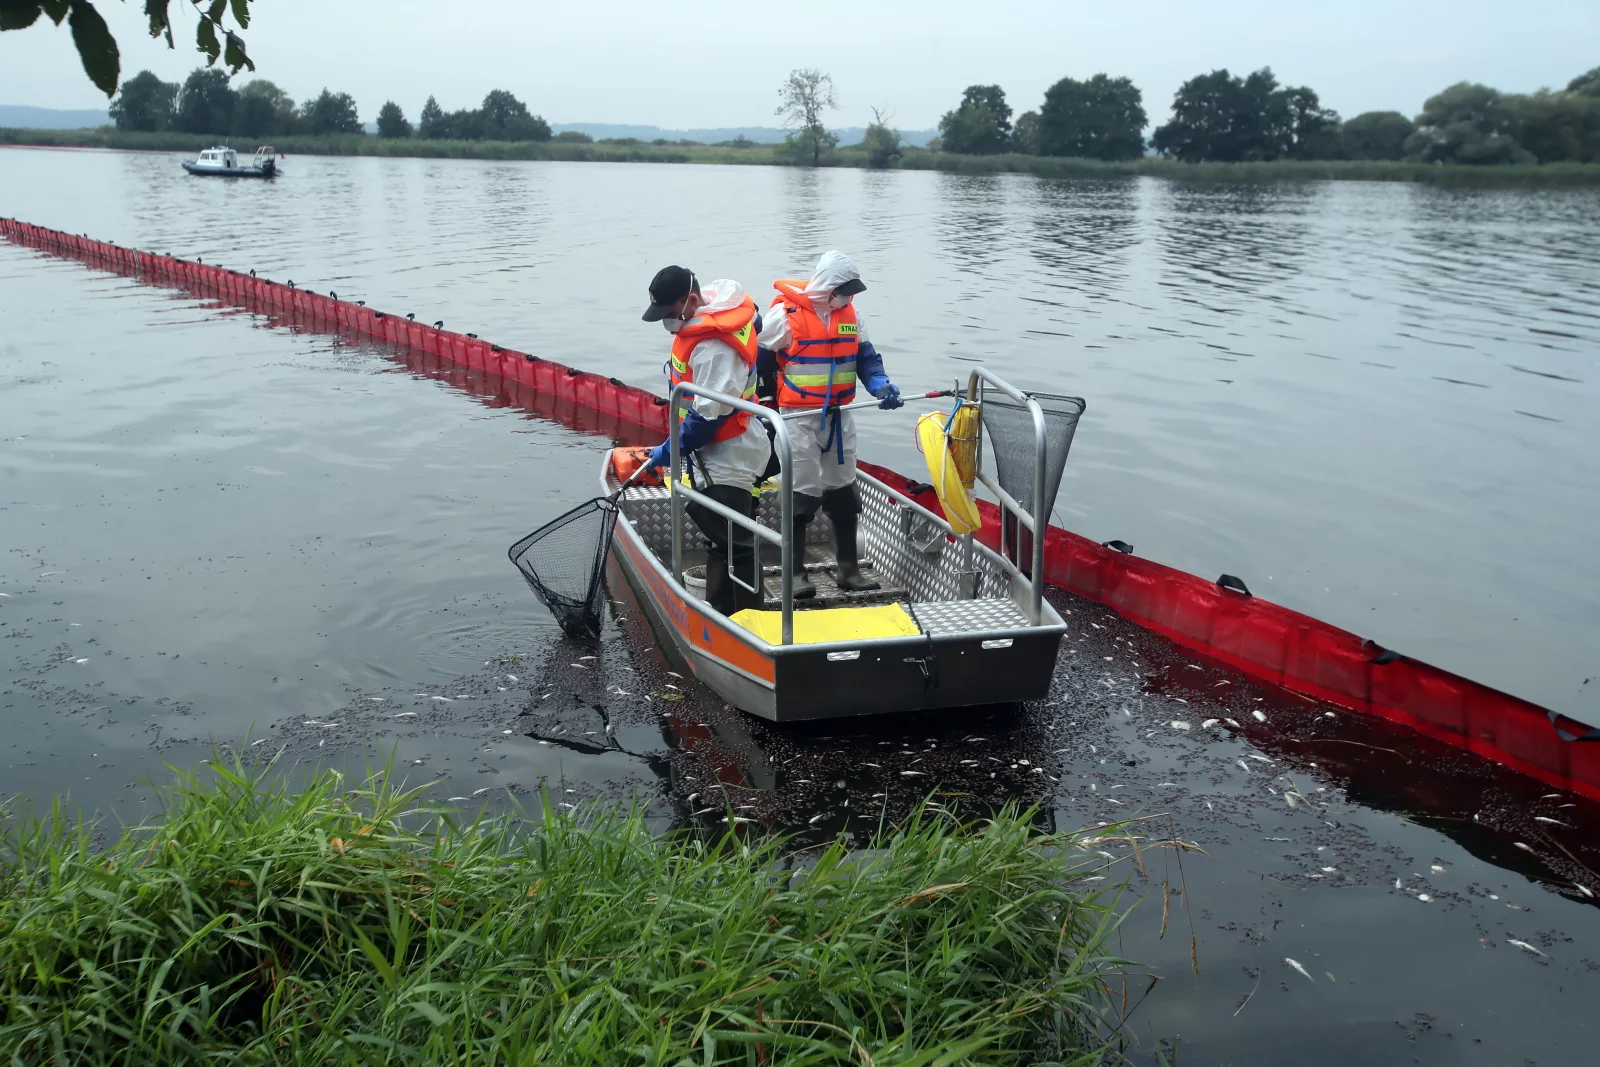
(1082, 234)
(1225, 243)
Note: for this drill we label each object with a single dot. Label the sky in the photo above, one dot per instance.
(680, 65)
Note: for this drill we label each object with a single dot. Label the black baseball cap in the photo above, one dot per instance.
(852, 287)
(667, 289)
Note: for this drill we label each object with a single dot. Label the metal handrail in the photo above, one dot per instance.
(681, 492)
(1007, 501)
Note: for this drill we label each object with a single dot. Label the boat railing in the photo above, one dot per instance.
(681, 493)
(1008, 503)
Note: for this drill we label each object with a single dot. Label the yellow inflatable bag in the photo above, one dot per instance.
(821, 625)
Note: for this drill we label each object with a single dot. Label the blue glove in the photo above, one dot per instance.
(888, 396)
(660, 456)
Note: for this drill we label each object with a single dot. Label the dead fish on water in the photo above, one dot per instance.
(910, 774)
(443, 700)
(406, 715)
(1295, 964)
(1259, 717)
(1231, 723)
(1209, 723)
(1524, 944)
(1523, 847)
(580, 666)
(511, 677)
(1263, 759)
(1552, 822)
(1243, 765)
(1179, 724)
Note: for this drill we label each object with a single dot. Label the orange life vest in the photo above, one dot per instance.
(737, 327)
(818, 369)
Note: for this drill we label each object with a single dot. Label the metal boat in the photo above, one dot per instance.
(981, 630)
(223, 162)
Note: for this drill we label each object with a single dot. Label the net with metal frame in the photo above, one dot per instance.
(1011, 444)
(564, 564)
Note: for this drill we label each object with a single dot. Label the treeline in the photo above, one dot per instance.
(206, 103)
(1221, 117)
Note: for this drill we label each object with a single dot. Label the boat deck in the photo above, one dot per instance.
(914, 563)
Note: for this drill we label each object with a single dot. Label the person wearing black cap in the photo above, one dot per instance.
(714, 329)
(817, 346)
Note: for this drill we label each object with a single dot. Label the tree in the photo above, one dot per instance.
(801, 101)
(1586, 84)
(1025, 134)
(1556, 127)
(1309, 130)
(881, 141)
(206, 102)
(1217, 116)
(429, 122)
(1102, 118)
(980, 125)
(146, 103)
(330, 113)
(505, 118)
(1466, 123)
(1376, 135)
(97, 48)
(392, 122)
(263, 110)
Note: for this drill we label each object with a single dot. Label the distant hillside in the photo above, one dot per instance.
(48, 118)
(758, 134)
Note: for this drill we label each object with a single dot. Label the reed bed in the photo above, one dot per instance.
(255, 923)
(1551, 174)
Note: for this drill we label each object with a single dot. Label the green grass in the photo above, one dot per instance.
(766, 155)
(255, 924)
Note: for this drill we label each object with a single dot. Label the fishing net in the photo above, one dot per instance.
(564, 564)
(1011, 444)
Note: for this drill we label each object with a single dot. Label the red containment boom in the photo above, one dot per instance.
(1261, 640)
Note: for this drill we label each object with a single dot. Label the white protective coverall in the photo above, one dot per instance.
(817, 469)
(716, 365)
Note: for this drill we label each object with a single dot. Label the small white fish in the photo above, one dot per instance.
(1436, 869)
(1536, 818)
(1524, 944)
(1180, 700)
(1263, 759)
(1329, 715)
(443, 700)
(511, 678)
(310, 722)
(376, 700)
(505, 731)
(1551, 796)
(83, 660)
(6, 595)
(585, 657)
(449, 800)
(1329, 870)
(1163, 785)
(1290, 800)
(1178, 724)
(580, 666)
(913, 774)
(1231, 723)
(1194, 666)
(406, 715)
(1258, 716)
(875, 766)
(1243, 765)
(480, 792)
(1523, 847)
(263, 741)
(1296, 965)
(675, 674)
(736, 820)
(671, 686)
(1425, 898)
(815, 819)
(1209, 723)
(1585, 890)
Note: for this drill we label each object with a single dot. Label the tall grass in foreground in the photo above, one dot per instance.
(253, 924)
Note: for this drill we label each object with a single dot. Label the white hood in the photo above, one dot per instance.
(833, 270)
(722, 294)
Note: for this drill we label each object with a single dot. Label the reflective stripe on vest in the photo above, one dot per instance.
(818, 370)
(736, 327)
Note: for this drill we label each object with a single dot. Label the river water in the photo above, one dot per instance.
(1372, 402)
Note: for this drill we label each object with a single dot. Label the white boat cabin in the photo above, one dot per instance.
(218, 157)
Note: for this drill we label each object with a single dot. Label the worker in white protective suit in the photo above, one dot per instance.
(814, 348)
(714, 329)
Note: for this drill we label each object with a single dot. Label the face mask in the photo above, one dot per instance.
(836, 301)
(672, 325)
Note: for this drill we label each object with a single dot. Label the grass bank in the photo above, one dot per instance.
(254, 924)
(1554, 174)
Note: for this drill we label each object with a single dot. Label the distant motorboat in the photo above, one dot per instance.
(223, 162)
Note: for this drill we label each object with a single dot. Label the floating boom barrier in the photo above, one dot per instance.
(1218, 620)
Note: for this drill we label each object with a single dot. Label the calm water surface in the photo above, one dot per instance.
(1373, 402)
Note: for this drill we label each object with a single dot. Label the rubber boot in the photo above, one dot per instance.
(805, 509)
(844, 508)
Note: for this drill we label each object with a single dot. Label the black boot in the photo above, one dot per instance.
(805, 509)
(844, 508)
